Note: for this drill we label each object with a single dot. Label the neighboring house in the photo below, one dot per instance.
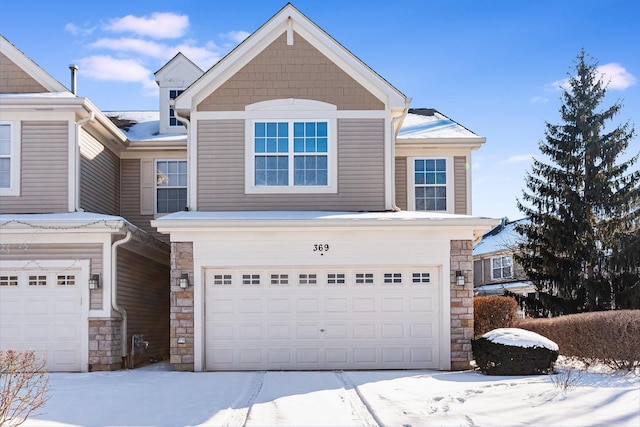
(495, 270)
(78, 282)
(315, 221)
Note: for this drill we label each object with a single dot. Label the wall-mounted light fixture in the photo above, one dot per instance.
(94, 281)
(459, 278)
(184, 281)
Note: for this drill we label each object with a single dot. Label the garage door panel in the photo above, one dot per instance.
(321, 319)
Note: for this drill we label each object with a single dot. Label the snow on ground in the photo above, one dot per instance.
(155, 396)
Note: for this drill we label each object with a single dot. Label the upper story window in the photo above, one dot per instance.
(291, 153)
(430, 184)
(501, 267)
(171, 185)
(173, 94)
(9, 159)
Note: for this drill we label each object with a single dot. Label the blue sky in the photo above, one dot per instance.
(492, 66)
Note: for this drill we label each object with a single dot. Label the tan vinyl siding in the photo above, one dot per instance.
(299, 71)
(14, 79)
(99, 177)
(44, 169)
(60, 251)
(130, 198)
(460, 184)
(360, 170)
(143, 291)
(401, 183)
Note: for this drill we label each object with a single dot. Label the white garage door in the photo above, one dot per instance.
(339, 318)
(42, 311)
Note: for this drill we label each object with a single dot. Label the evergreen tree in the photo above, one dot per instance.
(581, 202)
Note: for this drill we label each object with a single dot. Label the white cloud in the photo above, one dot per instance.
(613, 75)
(78, 31)
(519, 158)
(616, 76)
(145, 47)
(539, 100)
(103, 67)
(159, 25)
(236, 36)
(204, 57)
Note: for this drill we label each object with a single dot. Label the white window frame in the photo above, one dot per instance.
(14, 159)
(291, 110)
(501, 257)
(156, 187)
(411, 187)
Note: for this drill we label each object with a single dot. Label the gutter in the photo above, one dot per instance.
(114, 293)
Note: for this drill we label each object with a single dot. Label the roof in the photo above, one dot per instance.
(430, 123)
(500, 238)
(144, 126)
(522, 287)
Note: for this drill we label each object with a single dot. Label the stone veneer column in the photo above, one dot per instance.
(461, 304)
(181, 311)
(105, 344)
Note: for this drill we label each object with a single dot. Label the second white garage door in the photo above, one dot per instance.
(286, 319)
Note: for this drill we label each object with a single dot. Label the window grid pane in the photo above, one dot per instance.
(66, 280)
(5, 155)
(307, 279)
(222, 279)
(37, 280)
(336, 279)
(392, 277)
(250, 279)
(421, 277)
(430, 180)
(364, 278)
(171, 183)
(8, 280)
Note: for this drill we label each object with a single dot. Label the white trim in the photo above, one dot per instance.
(291, 105)
(73, 166)
(411, 195)
(333, 114)
(14, 158)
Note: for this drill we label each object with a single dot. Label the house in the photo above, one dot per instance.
(495, 269)
(79, 283)
(314, 220)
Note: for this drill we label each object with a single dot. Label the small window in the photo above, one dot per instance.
(173, 94)
(392, 277)
(421, 278)
(501, 267)
(37, 280)
(222, 279)
(9, 159)
(430, 184)
(364, 278)
(171, 186)
(8, 280)
(336, 279)
(279, 279)
(66, 280)
(307, 279)
(250, 279)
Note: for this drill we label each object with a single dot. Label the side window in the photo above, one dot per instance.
(501, 267)
(430, 184)
(9, 159)
(173, 94)
(171, 185)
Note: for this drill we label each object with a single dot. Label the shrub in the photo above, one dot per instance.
(495, 358)
(23, 386)
(492, 313)
(609, 337)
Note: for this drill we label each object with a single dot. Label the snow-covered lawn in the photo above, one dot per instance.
(155, 396)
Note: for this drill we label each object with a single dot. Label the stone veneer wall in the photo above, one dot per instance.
(461, 304)
(105, 344)
(182, 303)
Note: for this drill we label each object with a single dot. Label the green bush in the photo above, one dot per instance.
(491, 313)
(499, 359)
(609, 337)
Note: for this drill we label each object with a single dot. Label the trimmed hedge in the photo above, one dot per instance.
(500, 359)
(610, 337)
(491, 313)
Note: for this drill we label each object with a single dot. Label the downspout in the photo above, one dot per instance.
(395, 120)
(79, 124)
(187, 125)
(114, 293)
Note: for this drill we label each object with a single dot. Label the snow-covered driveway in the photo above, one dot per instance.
(156, 397)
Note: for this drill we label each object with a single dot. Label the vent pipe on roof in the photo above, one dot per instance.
(74, 69)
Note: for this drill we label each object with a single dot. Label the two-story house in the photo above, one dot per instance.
(494, 265)
(314, 220)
